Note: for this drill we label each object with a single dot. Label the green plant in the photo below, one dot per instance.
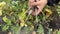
(15, 17)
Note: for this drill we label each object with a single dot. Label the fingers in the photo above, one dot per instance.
(37, 0)
(36, 3)
(33, 3)
(33, 13)
(36, 12)
(39, 3)
(31, 0)
(30, 3)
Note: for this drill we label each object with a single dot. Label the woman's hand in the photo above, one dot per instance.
(40, 4)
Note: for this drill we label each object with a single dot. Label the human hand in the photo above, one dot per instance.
(40, 4)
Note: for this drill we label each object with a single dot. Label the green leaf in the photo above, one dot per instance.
(13, 19)
(59, 32)
(58, 6)
(8, 21)
(40, 29)
(0, 12)
(5, 27)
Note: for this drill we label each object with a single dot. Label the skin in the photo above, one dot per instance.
(40, 5)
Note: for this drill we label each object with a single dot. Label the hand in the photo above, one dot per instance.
(40, 5)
